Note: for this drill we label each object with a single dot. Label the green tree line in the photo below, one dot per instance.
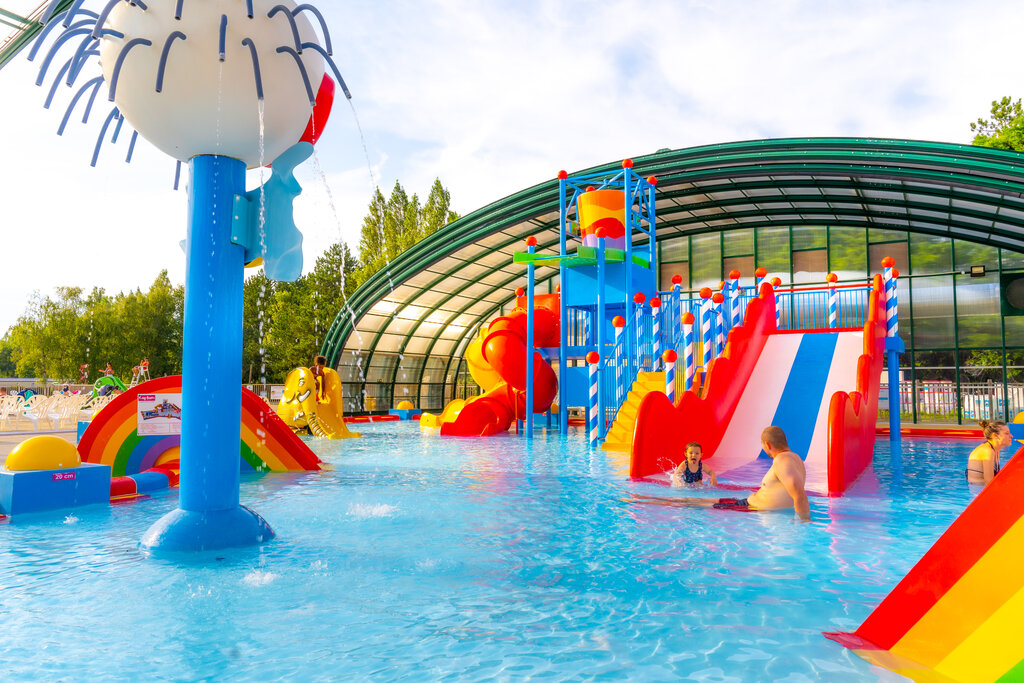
(284, 323)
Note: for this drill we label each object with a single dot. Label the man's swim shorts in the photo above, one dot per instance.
(737, 504)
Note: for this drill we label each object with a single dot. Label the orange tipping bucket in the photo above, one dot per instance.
(602, 209)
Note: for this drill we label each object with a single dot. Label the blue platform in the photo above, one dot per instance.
(42, 490)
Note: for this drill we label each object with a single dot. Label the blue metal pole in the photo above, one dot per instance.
(529, 344)
(632, 332)
(599, 323)
(209, 516)
(563, 311)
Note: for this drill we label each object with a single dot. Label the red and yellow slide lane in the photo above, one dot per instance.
(957, 614)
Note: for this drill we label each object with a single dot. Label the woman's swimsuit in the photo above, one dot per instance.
(693, 477)
(981, 470)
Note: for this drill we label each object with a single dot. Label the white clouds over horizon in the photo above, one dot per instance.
(493, 97)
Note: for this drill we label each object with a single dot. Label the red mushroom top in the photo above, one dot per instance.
(832, 277)
(734, 274)
(688, 318)
(562, 175)
(520, 291)
(531, 241)
(705, 293)
(639, 297)
(776, 282)
(601, 232)
(618, 321)
(669, 355)
(677, 279)
(652, 180)
(895, 273)
(760, 272)
(718, 297)
(655, 302)
(590, 188)
(627, 163)
(593, 357)
(888, 262)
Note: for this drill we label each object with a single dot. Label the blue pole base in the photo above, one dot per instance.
(190, 531)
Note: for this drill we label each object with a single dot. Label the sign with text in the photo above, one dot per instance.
(159, 414)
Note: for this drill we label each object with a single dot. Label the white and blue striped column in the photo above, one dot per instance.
(639, 299)
(734, 298)
(833, 313)
(670, 374)
(719, 299)
(656, 331)
(689, 367)
(677, 299)
(776, 283)
(705, 327)
(593, 358)
(892, 327)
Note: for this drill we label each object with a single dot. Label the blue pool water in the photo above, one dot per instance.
(424, 558)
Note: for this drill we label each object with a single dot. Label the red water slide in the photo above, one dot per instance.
(504, 348)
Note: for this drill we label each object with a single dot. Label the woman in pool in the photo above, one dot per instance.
(691, 470)
(983, 463)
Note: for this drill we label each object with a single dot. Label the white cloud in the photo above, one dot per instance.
(493, 97)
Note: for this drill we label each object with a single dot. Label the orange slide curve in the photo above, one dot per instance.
(501, 370)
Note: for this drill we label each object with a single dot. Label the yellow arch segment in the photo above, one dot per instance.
(479, 369)
(170, 455)
(955, 620)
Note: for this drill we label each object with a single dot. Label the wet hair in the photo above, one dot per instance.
(774, 437)
(992, 428)
(319, 360)
(693, 444)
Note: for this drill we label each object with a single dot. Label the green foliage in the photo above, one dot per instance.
(283, 323)
(1005, 130)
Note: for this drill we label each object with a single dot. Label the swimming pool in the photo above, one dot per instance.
(427, 558)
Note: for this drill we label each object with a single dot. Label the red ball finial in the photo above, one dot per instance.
(669, 356)
(832, 277)
(888, 262)
(734, 274)
(652, 180)
(760, 272)
(531, 241)
(718, 298)
(618, 321)
(677, 279)
(520, 291)
(895, 273)
(639, 297)
(562, 175)
(705, 293)
(601, 232)
(590, 188)
(627, 163)
(688, 318)
(776, 282)
(655, 302)
(593, 357)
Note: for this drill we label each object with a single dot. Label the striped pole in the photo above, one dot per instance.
(734, 298)
(670, 374)
(639, 299)
(895, 304)
(705, 326)
(689, 368)
(619, 323)
(833, 318)
(593, 358)
(776, 283)
(656, 331)
(718, 299)
(891, 327)
(677, 306)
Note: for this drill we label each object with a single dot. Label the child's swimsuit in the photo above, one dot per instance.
(995, 467)
(693, 477)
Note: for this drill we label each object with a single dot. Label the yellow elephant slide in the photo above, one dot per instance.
(304, 414)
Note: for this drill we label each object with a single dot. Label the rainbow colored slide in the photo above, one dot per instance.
(795, 380)
(112, 438)
(957, 614)
(497, 362)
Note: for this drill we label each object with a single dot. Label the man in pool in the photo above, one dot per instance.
(781, 488)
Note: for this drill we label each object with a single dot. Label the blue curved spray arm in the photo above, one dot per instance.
(57, 44)
(255, 66)
(334, 67)
(95, 84)
(88, 106)
(76, 8)
(302, 70)
(163, 58)
(291, 21)
(223, 36)
(41, 38)
(117, 129)
(306, 7)
(248, 8)
(102, 18)
(120, 62)
(131, 147)
(56, 84)
(49, 10)
(87, 44)
(103, 132)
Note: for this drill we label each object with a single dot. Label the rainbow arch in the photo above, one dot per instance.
(112, 438)
(956, 615)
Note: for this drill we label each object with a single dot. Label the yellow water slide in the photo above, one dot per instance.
(303, 414)
(481, 372)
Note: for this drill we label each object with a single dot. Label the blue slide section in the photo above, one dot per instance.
(804, 389)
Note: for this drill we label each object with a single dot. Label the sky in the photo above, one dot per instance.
(493, 97)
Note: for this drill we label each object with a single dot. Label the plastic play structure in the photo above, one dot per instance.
(497, 361)
(104, 381)
(221, 87)
(302, 413)
(956, 615)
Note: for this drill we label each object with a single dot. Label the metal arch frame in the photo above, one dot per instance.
(987, 176)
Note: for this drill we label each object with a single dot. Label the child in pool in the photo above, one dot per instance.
(691, 470)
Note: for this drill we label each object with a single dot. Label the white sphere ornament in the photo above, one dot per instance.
(207, 105)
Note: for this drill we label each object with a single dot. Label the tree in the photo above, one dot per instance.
(1005, 130)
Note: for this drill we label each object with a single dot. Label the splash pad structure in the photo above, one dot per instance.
(223, 85)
